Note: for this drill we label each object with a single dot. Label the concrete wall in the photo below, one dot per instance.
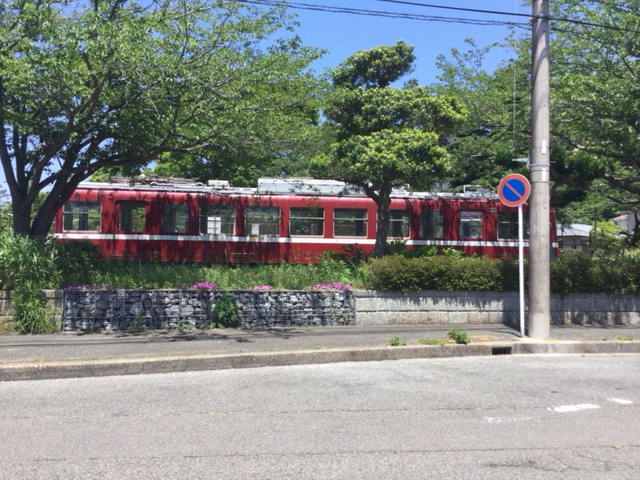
(462, 307)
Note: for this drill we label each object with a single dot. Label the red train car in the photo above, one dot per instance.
(283, 220)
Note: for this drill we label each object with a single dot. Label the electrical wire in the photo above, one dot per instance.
(434, 18)
(387, 14)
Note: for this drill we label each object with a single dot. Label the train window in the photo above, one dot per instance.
(83, 216)
(399, 224)
(470, 225)
(350, 222)
(217, 219)
(431, 224)
(508, 225)
(133, 217)
(262, 220)
(306, 221)
(175, 218)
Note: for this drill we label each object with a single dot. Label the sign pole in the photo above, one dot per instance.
(521, 267)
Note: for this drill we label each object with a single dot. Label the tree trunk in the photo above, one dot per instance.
(384, 217)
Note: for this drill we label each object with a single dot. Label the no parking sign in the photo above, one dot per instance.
(514, 190)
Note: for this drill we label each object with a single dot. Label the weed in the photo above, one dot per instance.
(182, 325)
(605, 338)
(625, 338)
(29, 311)
(226, 312)
(432, 341)
(396, 342)
(138, 325)
(459, 336)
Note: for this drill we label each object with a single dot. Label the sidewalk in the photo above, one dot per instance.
(69, 355)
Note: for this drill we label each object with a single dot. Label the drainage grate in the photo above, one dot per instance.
(501, 351)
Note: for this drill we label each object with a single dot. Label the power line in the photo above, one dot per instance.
(457, 9)
(387, 14)
(433, 18)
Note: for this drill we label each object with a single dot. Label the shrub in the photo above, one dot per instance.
(225, 311)
(396, 273)
(459, 337)
(29, 311)
(77, 262)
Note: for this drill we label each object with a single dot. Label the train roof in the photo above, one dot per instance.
(270, 186)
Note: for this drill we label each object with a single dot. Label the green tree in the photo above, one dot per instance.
(386, 137)
(596, 93)
(497, 129)
(112, 84)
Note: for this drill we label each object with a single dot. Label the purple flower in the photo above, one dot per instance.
(204, 286)
(262, 287)
(332, 286)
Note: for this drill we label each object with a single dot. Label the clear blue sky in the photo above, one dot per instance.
(343, 34)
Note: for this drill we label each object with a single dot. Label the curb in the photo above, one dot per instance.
(188, 363)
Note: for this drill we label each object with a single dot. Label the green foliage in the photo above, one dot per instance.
(77, 262)
(117, 85)
(459, 337)
(577, 272)
(396, 342)
(386, 137)
(625, 338)
(225, 311)
(29, 311)
(432, 341)
(138, 325)
(24, 260)
(400, 274)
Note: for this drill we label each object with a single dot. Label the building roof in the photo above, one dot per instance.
(574, 230)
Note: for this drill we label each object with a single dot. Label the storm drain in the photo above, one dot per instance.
(500, 350)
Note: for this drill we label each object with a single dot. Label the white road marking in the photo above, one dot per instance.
(620, 401)
(573, 408)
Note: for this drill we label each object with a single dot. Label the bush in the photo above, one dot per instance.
(225, 311)
(570, 274)
(459, 337)
(29, 311)
(77, 262)
(400, 274)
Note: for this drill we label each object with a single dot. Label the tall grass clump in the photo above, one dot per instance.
(27, 260)
(27, 267)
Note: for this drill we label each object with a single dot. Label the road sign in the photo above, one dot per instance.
(514, 190)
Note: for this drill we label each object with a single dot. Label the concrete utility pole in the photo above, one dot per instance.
(539, 241)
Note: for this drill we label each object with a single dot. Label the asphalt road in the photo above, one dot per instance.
(498, 417)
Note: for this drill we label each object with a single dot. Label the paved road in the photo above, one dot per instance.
(525, 417)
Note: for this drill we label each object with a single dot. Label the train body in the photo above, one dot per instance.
(283, 220)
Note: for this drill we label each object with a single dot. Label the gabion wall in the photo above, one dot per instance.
(136, 310)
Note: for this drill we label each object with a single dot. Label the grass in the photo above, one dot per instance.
(228, 277)
(433, 341)
(625, 338)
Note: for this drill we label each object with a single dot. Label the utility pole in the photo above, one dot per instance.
(539, 241)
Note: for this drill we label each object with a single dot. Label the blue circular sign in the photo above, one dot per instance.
(514, 190)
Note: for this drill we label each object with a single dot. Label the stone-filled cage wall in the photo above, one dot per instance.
(117, 310)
